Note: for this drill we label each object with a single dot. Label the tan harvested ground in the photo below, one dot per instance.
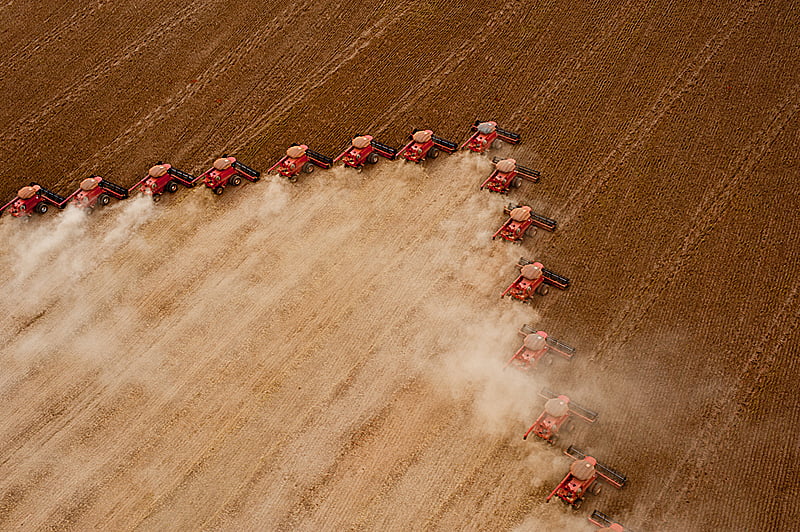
(327, 355)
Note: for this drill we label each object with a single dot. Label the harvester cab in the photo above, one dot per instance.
(300, 158)
(557, 416)
(605, 522)
(163, 178)
(508, 174)
(582, 478)
(94, 191)
(364, 149)
(33, 198)
(228, 171)
(535, 346)
(486, 135)
(522, 222)
(533, 278)
(425, 145)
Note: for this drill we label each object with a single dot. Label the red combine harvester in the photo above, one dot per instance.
(425, 145)
(299, 158)
(583, 477)
(533, 278)
(507, 174)
(556, 417)
(228, 171)
(521, 222)
(535, 345)
(486, 135)
(365, 150)
(163, 178)
(94, 191)
(33, 199)
(606, 523)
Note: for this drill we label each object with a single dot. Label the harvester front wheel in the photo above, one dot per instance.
(308, 168)
(172, 187)
(104, 199)
(235, 181)
(372, 158)
(542, 290)
(41, 208)
(433, 153)
(219, 190)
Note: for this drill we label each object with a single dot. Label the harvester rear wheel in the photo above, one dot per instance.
(517, 182)
(542, 290)
(219, 190)
(235, 181)
(433, 153)
(41, 208)
(308, 168)
(372, 158)
(171, 187)
(104, 199)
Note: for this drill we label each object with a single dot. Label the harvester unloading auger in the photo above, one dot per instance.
(557, 416)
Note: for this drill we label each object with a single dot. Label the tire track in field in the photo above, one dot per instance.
(16, 133)
(570, 67)
(642, 129)
(714, 202)
(247, 136)
(12, 62)
(721, 420)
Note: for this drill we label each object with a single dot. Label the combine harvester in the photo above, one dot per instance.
(583, 478)
(533, 279)
(364, 149)
(486, 135)
(520, 223)
(163, 178)
(556, 417)
(535, 345)
(300, 158)
(228, 171)
(425, 145)
(507, 174)
(33, 198)
(606, 523)
(94, 191)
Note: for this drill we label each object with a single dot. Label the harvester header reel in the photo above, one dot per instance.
(364, 149)
(486, 135)
(300, 158)
(228, 171)
(522, 221)
(557, 414)
(600, 519)
(425, 145)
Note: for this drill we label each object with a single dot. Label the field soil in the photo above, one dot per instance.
(328, 354)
